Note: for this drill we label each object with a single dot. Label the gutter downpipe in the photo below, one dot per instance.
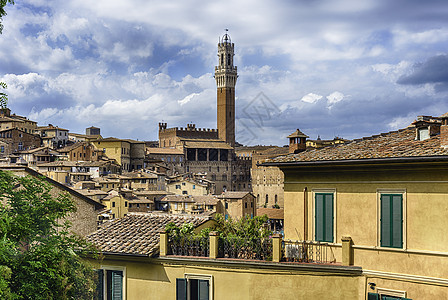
(305, 213)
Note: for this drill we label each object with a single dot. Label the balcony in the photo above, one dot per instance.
(270, 249)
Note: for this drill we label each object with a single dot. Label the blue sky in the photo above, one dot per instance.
(331, 68)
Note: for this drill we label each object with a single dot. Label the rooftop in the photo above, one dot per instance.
(232, 195)
(272, 213)
(394, 144)
(136, 233)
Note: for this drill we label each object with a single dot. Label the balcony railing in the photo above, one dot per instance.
(245, 248)
(189, 246)
(273, 248)
(307, 252)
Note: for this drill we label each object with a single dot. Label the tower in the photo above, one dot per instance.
(225, 76)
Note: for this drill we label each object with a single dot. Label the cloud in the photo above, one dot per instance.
(434, 71)
(335, 97)
(311, 98)
(126, 65)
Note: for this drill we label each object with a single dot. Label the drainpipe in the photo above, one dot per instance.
(305, 213)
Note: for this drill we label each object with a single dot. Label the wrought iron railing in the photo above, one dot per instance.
(307, 252)
(245, 248)
(189, 246)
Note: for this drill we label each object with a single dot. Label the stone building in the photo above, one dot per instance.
(210, 152)
(8, 121)
(53, 136)
(129, 154)
(18, 140)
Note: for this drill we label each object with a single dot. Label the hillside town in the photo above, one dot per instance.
(354, 219)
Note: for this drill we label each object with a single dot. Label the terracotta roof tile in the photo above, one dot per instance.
(395, 144)
(137, 233)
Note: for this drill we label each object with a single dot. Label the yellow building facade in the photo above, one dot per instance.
(388, 194)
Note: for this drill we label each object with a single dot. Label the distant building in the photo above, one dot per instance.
(53, 136)
(238, 204)
(8, 121)
(129, 154)
(93, 131)
(209, 151)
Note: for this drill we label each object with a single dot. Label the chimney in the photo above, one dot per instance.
(426, 127)
(444, 131)
(297, 142)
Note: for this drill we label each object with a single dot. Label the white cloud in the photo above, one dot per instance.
(311, 98)
(187, 99)
(335, 97)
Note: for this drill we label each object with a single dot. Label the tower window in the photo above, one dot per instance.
(222, 59)
(228, 59)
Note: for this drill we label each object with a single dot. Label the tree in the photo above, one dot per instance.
(3, 96)
(39, 257)
(2, 11)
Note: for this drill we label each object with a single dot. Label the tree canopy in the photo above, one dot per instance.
(39, 257)
(3, 12)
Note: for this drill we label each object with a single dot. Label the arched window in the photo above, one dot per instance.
(276, 199)
(267, 199)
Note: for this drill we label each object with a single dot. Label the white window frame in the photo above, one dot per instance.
(389, 292)
(403, 193)
(189, 276)
(113, 268)
(313, 208)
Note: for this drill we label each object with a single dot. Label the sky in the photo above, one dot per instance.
(345, 68)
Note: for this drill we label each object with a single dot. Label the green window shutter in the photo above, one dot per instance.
(385, 221)
(329, 218)
(319, 222)
(203, 290)
(391, 221)
(117, 285)
(397, 221)
(181, 289)
(99, 284)
(324, 217)
(373, 296)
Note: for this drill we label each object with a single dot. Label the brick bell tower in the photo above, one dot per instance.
(225, 76)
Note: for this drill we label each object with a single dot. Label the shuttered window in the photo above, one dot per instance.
(192, 289)
(114, 283)
(324, 217)
(181, 289)
(391, 220)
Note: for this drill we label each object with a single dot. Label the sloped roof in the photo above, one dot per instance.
(297, 133)
(206, 143)
(233, 195)
(137, 233)
(272, 213)
(394, 144)
(172, 151)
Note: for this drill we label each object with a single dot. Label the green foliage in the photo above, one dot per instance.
(37, 247)
(247, 227)
(3, 96)
(2, 10)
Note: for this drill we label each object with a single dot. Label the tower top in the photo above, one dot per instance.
(225, 39)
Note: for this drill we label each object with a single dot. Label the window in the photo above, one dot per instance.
(194, 187)
(184, 192)
(113, 204)
(177, 186)
(2, 149)
(194, 287)
(227, 205)
(125, 204)
(324, 217)
(20, 146)
(111, 283)
(391, 221)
